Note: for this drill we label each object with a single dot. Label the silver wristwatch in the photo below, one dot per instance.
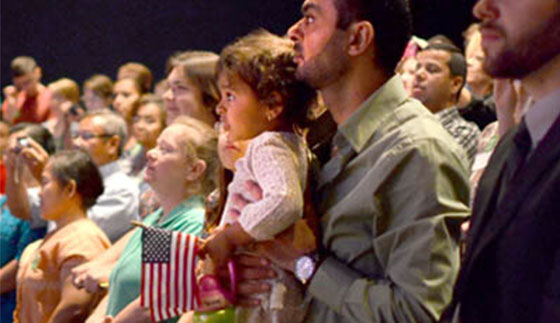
(305, 267)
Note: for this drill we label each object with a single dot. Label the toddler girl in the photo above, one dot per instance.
(262, 101)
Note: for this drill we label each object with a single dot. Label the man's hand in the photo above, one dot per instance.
(511, 100)
(10, 95)
(289, 245)
(252, 271)
(10, 92)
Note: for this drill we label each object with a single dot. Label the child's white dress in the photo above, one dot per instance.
(278, 162)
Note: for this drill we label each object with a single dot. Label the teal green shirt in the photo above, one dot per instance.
(125, 278)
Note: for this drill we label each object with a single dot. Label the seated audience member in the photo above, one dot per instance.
(139, 72)
(4, 134)
(15, 235)
(192, 92)
(102, 135)
(192, 88)
(149, 122)
(97, 93)
(23, 174)
(182, 171)
(439, 78)
(65, 95)
(27, 100)
(127, 93)
(406, 69)
(160, 88)
(70, 185)
(481, 108)
(407, 64)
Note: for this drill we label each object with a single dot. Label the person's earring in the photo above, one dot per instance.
(269, 116)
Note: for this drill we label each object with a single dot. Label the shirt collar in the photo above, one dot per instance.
(541, 115)
(187, 204)
(449, 113)
(363, 123)
(109, 169)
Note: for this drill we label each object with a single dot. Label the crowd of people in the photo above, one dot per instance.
(351, 171)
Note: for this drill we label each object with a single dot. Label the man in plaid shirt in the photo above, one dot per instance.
(439, 78)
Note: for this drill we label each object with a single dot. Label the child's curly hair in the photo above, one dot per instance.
(266, 63)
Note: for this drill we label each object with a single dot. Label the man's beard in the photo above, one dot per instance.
(324, 68)
(528, 55)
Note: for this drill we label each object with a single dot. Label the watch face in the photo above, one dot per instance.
(304, 268)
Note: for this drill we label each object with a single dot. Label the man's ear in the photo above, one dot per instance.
(362, 35)
(114, 143)
(38, 73)
(196, 170)
(275, 106)
(456, 85)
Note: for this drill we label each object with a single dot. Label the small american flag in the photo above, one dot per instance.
(168, 278)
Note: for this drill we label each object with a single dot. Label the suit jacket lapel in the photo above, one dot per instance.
(547, 153)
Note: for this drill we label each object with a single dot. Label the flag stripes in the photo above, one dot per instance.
(168, 273)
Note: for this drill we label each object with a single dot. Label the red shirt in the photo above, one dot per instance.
(2, 178)
(31, 108)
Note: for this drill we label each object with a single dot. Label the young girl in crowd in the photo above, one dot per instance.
(149, 122)
(262, 101)
(127, 93)
(97, 93)
(63, 105)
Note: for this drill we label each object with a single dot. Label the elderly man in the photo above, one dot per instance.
(439, 78)
(511, 269)
(102, 135)
(394, 192)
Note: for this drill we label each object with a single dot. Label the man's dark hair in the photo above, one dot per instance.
(22, 65)
(77, 165)
(38, 133)
(457, 63)
(440, 39)
(391, 20)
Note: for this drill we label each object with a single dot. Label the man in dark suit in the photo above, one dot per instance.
(511, 269)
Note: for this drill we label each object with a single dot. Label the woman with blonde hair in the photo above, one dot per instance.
(182, 171)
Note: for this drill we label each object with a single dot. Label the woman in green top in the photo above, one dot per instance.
(185, 150)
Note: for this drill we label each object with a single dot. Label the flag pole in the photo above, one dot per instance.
(138, 224)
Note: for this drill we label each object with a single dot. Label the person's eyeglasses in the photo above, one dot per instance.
(89, 135)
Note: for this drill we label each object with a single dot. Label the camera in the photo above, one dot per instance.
(22, 142)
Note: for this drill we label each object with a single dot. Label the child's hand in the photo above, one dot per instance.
(218, 248)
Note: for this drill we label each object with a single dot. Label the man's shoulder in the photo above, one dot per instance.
(412, 125)
(118, 181)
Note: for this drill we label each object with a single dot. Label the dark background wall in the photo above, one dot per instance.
(77, 38)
